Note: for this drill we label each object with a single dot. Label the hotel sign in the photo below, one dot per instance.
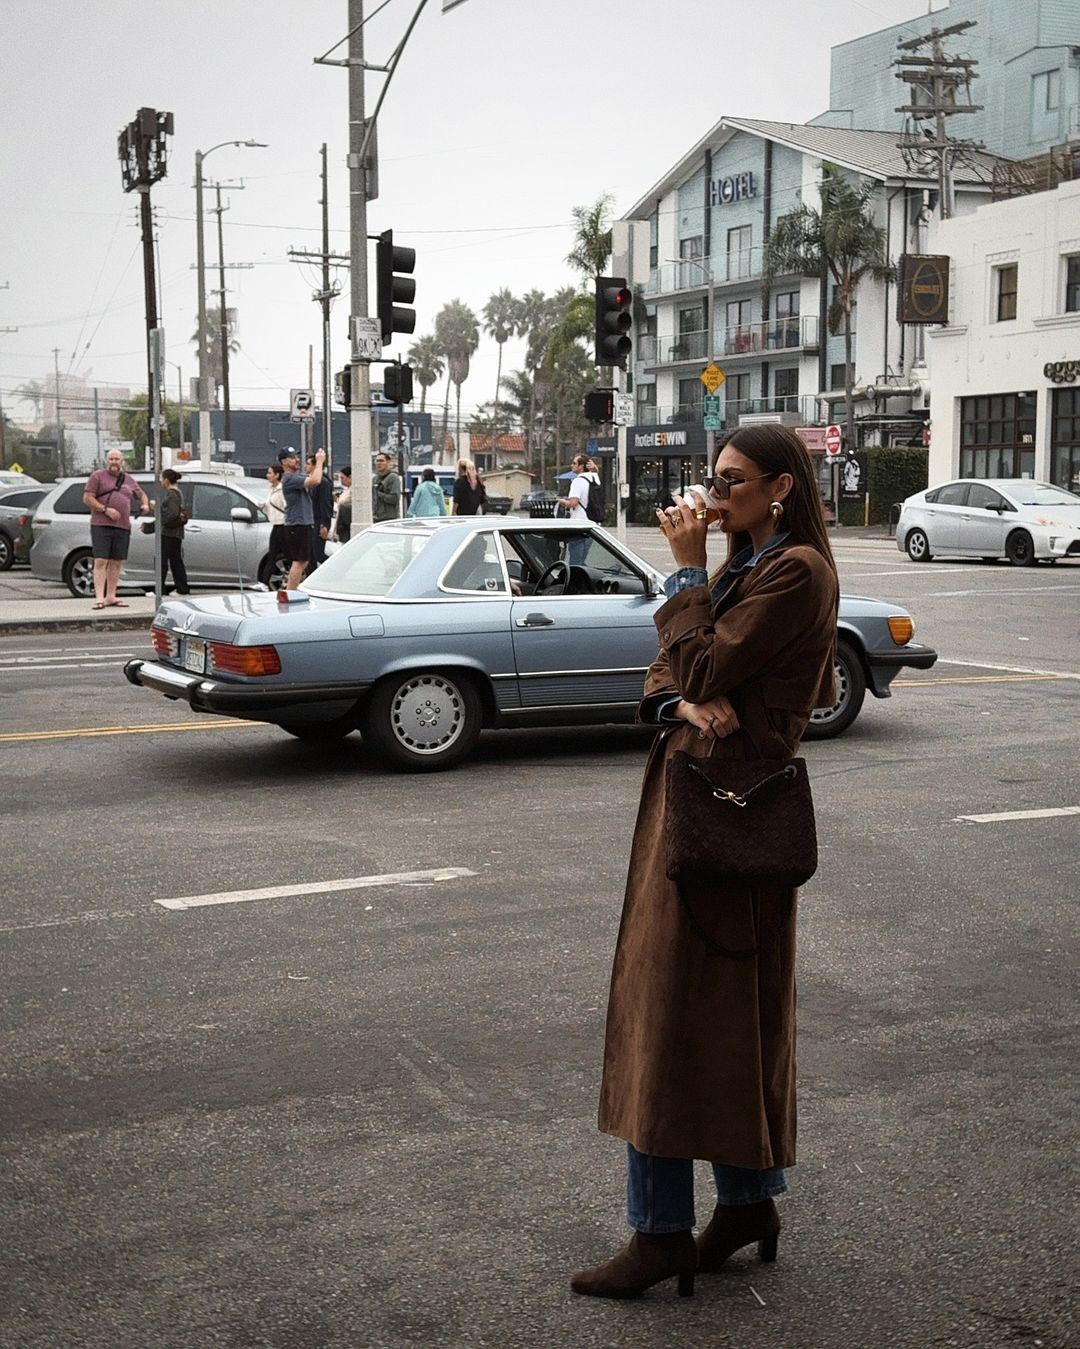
(739, 187)
(658, 440)
(923, 294)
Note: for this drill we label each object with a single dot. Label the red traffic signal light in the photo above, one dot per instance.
(392, 288)
(613, 321)
(600, 406)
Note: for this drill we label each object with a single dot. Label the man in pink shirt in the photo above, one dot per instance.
(109, 492)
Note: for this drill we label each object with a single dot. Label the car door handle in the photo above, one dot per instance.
(534, 621)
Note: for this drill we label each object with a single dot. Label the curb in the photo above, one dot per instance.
(27, 627)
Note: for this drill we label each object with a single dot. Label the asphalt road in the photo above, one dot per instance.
(365, 1116)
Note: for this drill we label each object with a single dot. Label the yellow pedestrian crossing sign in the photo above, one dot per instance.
(16, 468)
(712, 377)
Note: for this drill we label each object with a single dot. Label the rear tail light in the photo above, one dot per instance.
(901, 627)
(244, 660)
(165, 643)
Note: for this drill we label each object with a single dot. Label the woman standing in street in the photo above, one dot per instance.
(172, 534)
(469, 490)
(275, 513)
(428, 498)
(699, 1058)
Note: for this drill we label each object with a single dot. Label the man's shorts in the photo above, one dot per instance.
(110, 543)
(297, 543)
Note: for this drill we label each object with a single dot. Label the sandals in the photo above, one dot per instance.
(117, 604)
(99, 605)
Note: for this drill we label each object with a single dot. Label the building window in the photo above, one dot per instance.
(1045, 105)
(736, 399)
(691, 394)
(654, 256)
(691, 320)
(786, 383)
(646, 395)
(738, 252)
(787, 304)
(837, 376)
(1072, 284)
(997, 436)
(1065, 439)
(691, 248)
(738, 335)
(1007, 278)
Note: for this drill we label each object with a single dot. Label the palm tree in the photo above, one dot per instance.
(500, 321)
(592, 237)
(426, 359)
(843, 237)
(212, 342)
(33, 392)
(457, 331)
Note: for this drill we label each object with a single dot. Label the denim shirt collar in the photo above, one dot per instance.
(746, 559)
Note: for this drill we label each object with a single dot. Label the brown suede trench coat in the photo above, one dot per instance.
(699, 1056)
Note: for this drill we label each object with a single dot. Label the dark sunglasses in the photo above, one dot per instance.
(720, 486)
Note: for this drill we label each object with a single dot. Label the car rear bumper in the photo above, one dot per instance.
(237, 700)
(884, 666)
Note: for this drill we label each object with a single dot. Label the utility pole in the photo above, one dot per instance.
(224, 320)
(939, 88)
(360, 437)
(59, 423)
(3, 434)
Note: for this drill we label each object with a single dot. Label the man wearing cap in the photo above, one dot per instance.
(299, 516)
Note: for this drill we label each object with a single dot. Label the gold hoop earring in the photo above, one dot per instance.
(776, 510)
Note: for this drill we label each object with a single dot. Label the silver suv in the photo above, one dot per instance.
(214, 542)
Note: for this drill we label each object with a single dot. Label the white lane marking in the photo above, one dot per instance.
(30, 662)
(993, 594)
(56, 669)
(315, 888)
(1007, 669)
(1049, 814)
(915, 575)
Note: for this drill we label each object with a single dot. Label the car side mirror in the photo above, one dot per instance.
(241, 515)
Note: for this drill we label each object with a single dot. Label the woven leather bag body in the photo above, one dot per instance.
(744, 820)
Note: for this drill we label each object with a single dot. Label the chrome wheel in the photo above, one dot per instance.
(850, 692)
(423, 722)
(917, 546)
(79, 574)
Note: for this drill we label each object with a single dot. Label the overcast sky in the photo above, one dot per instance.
(504, 114)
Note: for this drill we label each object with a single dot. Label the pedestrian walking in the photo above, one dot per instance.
(428, 498)
(469, 491)
(322, 508)
(386, 489)
(109, 494)
(173, 520)
(299, 516)
(274, 507)
(343, 529)
(699, 1054)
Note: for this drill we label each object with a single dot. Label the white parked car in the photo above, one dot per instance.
(1017, 518)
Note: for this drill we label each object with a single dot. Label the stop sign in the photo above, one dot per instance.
(833, 440)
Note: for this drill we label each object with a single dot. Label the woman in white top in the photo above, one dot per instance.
(275, 511)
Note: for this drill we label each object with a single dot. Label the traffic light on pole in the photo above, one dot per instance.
(613, 320)
(394, 290)
(397, 384)
(343, 387)
(600, 405)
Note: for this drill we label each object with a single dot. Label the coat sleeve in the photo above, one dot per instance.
(707, 657)
(170, 510)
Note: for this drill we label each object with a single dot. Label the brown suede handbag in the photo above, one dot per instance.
(749, 821)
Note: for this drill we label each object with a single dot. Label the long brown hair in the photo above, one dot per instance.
(776, 450)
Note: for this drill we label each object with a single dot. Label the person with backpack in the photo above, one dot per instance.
(173, 520)
(109, 493)
(585, 500)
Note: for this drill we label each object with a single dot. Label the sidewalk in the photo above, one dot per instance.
(28, 605)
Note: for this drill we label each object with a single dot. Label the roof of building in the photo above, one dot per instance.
(507, 444)
(875, 154)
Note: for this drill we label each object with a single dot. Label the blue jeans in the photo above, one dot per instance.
(660, 1190)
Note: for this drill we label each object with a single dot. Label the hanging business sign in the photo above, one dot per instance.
(738, 187)
(853, 477)
(923, 292)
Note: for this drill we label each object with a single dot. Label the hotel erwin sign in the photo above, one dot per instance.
(923, 294)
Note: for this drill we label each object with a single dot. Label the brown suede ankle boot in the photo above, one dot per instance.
(734, 1226)
(649, 1259)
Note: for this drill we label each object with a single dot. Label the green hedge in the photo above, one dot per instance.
(893, 472)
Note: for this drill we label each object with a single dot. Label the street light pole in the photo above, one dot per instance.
(200, 265)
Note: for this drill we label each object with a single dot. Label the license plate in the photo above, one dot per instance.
(194, 656)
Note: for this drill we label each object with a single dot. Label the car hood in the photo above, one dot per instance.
(862, 606)
(259, 616)
(1053, 517)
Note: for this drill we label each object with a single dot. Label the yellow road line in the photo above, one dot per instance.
(81, 732)
(975, 679)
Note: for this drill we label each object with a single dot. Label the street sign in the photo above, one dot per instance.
(712, 405)
(624, 409)
(713, 423)
(301, 405)
(712, 377)
(833, 440)
(366, 339)
(16, 468)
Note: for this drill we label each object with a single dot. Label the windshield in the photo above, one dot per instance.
(1040, 494)
(258, 488)
(370, 565)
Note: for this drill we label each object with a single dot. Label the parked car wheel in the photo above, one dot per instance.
(322, 733)
(826, 722)
(7, 552)
(79, 573)
(273, 573)
(917, 546)
(1020, 549)
(423, 722)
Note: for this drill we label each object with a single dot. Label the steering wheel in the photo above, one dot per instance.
(558, 574)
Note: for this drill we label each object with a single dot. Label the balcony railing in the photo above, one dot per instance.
(804, 405)
(743, 264)
(746, 339)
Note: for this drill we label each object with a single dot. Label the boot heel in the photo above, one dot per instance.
(686, 1285)
(766, 1248)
